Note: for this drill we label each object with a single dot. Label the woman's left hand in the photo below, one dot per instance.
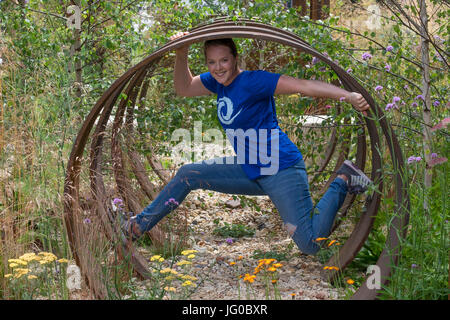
(358, 102)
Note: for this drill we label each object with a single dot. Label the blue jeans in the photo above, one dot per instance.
(288, 190)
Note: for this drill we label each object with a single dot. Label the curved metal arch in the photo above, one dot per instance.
(221, 28)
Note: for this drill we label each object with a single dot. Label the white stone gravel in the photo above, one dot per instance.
(300, 275)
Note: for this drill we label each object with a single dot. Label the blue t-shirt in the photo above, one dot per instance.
(246, 111)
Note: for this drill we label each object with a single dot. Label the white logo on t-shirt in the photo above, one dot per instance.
(226, 103)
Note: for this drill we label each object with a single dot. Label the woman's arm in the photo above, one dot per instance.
(319, 89)
(185, 84)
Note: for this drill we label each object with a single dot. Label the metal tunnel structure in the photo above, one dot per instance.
(116, 106)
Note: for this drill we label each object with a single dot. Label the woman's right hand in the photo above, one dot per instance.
(178, 35)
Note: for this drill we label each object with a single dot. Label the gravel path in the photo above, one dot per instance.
(298, 278)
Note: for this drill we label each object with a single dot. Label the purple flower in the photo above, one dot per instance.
(328, 106)
(366, 56)
(171, 201)
(118, 202)
(342, 99)
(389, 106)
(434, 155)
(396, 99)
(378, 88)
(87, 221)
(414, 104)
(229, 240)
(414, 159)
(414, 266)
(349, 70)
(405, 87)
(387, 67)
(389, 48)
(315, 60)
(436, 103)
(419, 97)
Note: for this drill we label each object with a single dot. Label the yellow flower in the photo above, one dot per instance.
(18, 261)
(191, 256)
(62, 260)
(13, 265)
(8, 275)
(154, 258)
(183, 262)
(165, 270)
(28, 256)
(31, 277)
(188, 283)
(170, 289)
(188, 252)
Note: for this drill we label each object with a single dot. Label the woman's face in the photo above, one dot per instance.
(221, 64)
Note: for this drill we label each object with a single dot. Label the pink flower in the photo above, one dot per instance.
(436, 161)
(328, 106)
(378, 88)
(442, 124)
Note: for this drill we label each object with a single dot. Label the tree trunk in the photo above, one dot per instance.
(425, 57)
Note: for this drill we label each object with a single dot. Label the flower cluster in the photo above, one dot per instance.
(393, 104)
(171, 201)
(366, 56)
(413, 159)
(28, 260)
(171, 277)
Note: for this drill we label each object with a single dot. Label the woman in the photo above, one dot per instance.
(246, 105)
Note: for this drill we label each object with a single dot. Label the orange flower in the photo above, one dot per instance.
(321, 239)
(232, 263)
(350, 281)
(277, 265)
(331, 243)
(240, 258)
(274, 281)
(249, 278)
(272, 269)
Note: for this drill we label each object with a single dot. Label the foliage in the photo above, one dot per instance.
(41, 112)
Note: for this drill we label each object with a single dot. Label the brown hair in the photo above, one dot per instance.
(227, 42)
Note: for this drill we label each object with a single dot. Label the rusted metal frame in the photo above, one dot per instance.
(150, 190)
(122, 182)
(399, 182)
(398, 229)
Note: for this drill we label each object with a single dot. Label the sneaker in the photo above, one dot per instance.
(357, 180)
(129, 226)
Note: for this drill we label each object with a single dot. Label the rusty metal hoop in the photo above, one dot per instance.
(133, 82)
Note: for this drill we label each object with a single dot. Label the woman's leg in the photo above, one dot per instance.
(289, 191)
(219, 176)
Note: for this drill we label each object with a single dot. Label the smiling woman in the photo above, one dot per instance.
(265, 164)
